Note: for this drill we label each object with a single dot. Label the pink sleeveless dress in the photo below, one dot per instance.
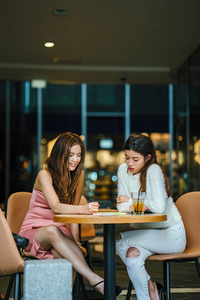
(39, 215)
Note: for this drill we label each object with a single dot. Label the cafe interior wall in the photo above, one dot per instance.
(61, 111)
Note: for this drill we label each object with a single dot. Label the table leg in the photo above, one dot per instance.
(109, 262)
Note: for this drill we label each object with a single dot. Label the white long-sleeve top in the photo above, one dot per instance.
(156, 197)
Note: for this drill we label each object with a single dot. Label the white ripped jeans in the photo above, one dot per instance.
(148, 242)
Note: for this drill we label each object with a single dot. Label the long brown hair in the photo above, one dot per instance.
(143, 144)
(64, 180)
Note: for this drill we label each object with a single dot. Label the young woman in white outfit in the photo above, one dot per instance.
(141, 173)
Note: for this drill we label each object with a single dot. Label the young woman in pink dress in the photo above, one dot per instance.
(58, 189)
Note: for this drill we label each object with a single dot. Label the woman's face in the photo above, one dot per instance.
(134, 160)
(74, 157)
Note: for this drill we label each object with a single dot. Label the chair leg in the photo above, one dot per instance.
(166, 275)
(130, 286)
(17, 293)
(197, 265)
(76, 286)
(83, 287)
(12, 278)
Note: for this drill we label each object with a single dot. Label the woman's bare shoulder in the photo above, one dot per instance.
(42, 177)
(44, 173)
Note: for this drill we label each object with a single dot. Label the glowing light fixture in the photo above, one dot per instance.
(49, 44)
(38, 83)
(106, 143)
(180, 138)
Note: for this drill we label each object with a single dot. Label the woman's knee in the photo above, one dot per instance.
(133, 260)
(133, 252)
(52, 232)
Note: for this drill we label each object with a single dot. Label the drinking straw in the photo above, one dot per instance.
(138, 200)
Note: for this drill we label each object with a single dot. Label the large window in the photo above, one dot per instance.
(106, 120)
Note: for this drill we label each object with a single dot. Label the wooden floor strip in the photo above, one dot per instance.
(173, 291)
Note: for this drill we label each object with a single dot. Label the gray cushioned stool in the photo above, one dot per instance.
(47, 279)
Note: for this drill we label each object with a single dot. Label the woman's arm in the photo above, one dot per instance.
(74, 228)
(156, 189)
(123, 200)
(44, 184)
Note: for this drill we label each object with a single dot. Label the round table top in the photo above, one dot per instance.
(108, 218)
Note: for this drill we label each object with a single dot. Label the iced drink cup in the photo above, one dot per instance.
(138, 202)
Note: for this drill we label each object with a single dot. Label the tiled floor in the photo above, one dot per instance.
(185, 283)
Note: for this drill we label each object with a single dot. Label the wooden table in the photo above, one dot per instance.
(109, 222)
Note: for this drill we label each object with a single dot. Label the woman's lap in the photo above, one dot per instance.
(161, 241)
(34, 246)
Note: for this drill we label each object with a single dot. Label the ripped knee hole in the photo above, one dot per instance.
(133, 252)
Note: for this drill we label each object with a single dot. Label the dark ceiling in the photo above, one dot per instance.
(97, 41)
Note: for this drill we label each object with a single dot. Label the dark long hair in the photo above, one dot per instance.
(64, 180)
(143, 144)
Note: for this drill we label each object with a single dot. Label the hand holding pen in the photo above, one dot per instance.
(92, 206)
(104, 213)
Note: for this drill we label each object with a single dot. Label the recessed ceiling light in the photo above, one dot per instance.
(49, 44)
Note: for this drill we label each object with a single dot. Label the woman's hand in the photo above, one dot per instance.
(131, 208)
(91, 207)
(122, 198)
(146, 208)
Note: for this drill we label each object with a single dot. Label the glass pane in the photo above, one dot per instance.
(104, 154)
(23, 138)
(180, 161)
(149, 109)
(3, 138)
(61, 113)
(149, 114)
(194, 183)
(105, 98)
